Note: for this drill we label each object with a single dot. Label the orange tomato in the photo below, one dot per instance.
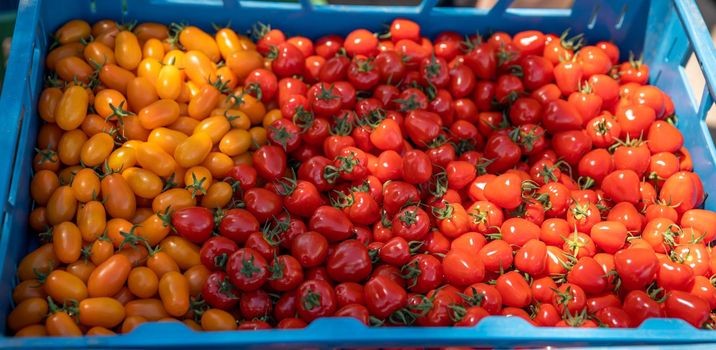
(29, 312)
(28, 289)
(141, 214)
(98, 53)
(160, 113)
(196, 276)
(235, 142)
(131, 322)
(97, 149)
(183, 252)
(198, 179)
(150, 309)
(102, 249)
(72, 108)
(118, 197)
(35, 330)
(115, 77)
(124, 295)
(99, 331)
(116, 228)
(49, 136)
(216, 127)
(85, 185)
(91, 220)
(63, 286)
(184, 125)
(258, 137)
(193, 38)
(82, 269)
(153, 48)
(102, 312)
(73, 67)
(176, 198)
(243, 62)
(69, 149)
(127, 51)
(40, 260)
(107, 100)
(133, 129)
(143, 183)
(204, 102)
(199, 68)
(67, 242)
(43, 185)
(153, 229)
(73, 31)
(218, 195)
(149, 68)
(174, 293)
(150, 30)
(141, 93)
(217, 320)
(122, 158)
(192, 324)
(60, 324)
(169, 82)
(218, 164)
(227, 41)
(67, 174)
(94, 124)
(152, 157)
(167, 139)
(38, 219)
(109, 277)
(104, 26)
(244, 158)
(193, 150)
(143, 282)
(46, 160)
(227, 77)
(70, 49)
(47, 104)
(61, 206)
(161, 263)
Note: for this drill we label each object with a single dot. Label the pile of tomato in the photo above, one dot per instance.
(233, 182)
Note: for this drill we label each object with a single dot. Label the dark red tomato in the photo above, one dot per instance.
(255, 304)
(218, 291)
(263, 84)
(313, 171)
(496, 255)
(571, 145)
(447, 45)
(390, 271)
(390, 66)
(560, 115)
(270, 162)
(215, 252)
(640, 306)
(283, 132)
(536, 71)
(349, 262)
(262, 203)
(361, 42)
(301, 198)
(328, 45)
(383, 296)
(247, 269)
(310, 249)
(244, 174)
(324, 100)
(362, 74)
(396, 251)
(285, 307)
(423, 273)
(525, 110)
(472, 316)
(193, 223)
(386, 94)
(637, 267)
(411, 223)
(687, 307)
(335, 69)
(238, 224)
(347, 93)
(602, 301)
(482, 60)
(462, 268)
(613, 317)
(417, 165)
(507, 88)
(396, 194)
(286, 273)
(294, 105)
(434, 71)
(291, 323)
(569, 298)
(315, 298)
(483, 95)
(332, 223)
(289, 60)
(349, 293)
(513, 288)
(462, 81)
(503, 152)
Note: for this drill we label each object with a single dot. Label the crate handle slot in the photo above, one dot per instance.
(701, 41)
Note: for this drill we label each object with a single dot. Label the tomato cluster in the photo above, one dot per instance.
(231, 183)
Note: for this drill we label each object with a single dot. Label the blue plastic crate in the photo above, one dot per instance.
(666, 31)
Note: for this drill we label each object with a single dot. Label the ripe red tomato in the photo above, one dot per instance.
(193, 223)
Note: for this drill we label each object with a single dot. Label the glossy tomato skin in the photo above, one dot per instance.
(194, 223)
(349, 262)
(315, 298)
(247, 269)
(215, 251)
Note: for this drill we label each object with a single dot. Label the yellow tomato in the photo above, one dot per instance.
(150, 69)
(158, 114)
(122, 158)
(141, 93)
(198, 179)
(97, 149)
(167, 139)
(169, 82)
(143, 183)
(91, 220)
(193, 38)
(235, 142)
(176, 198)
(184, 125)
(216, 127)
(271, 116)
(199, 68)
(153, 48)
(218, 164)
(154, 158)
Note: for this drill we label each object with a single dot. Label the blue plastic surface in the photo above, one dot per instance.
(666, 31)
